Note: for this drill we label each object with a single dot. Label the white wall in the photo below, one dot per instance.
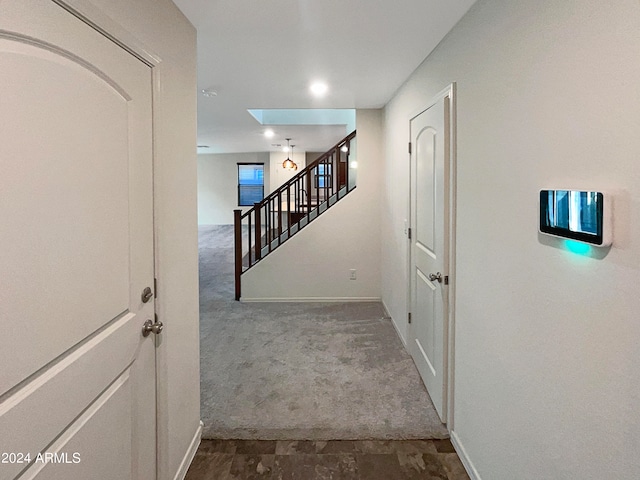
(162, 28)
(218, 185)
(315, 263)
(279, 175)
(547, 382)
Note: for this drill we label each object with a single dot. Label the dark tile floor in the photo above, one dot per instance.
(330, 460)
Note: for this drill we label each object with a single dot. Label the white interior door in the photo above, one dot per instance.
(77, 378)
(429, 248)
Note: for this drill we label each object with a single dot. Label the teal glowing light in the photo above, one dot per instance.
(578, 248)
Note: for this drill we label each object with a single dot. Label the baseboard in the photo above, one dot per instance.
(464, 458)
(191, 452)
(312, 299)
(395, 325)
(386, 310)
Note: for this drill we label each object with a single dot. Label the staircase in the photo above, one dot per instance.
(290, 208)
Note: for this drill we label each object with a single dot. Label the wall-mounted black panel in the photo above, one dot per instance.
(576, 214)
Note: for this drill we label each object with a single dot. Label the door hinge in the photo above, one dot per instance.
(409, 317)
(409, 233)
(155, 287)
(409, 148)
(446, 279)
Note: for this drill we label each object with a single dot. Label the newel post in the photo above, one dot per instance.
(237, 230)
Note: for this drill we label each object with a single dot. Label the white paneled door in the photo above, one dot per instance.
(430, 142)
(77, 377)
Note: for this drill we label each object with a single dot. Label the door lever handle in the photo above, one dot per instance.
(435, 276)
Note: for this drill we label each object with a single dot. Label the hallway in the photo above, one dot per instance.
(306, 391)
(304, 371)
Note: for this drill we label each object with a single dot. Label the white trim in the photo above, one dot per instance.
(464, 458)
(191, 453)
(98, 20)
(449, 91)
(311, 299)
(451, 298)
(386, 310)
(395, 326)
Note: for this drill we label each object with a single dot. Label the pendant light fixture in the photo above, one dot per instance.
(289, 164)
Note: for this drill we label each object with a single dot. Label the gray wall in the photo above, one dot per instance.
(311, 156)
(546, 358)
(218, 185)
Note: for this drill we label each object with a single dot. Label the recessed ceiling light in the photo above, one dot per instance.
(269, 133)
(285, 149)
(209, 92)
(319, 88)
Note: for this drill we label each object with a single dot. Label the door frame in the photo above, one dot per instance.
(449, 327)
(95, 18)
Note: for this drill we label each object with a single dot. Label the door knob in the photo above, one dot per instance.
(147, 295)
(151, 327)
(435, 276)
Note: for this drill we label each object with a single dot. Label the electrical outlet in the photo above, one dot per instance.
(352, 274)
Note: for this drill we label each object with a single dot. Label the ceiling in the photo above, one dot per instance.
(264, 54)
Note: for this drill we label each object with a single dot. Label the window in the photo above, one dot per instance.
(323, 175)
(250, 183)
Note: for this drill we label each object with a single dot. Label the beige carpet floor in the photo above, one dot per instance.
(304, 371)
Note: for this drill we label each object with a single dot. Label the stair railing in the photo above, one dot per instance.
(284, 212)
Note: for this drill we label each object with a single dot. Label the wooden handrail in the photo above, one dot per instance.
(268, 224)
(311, 166)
